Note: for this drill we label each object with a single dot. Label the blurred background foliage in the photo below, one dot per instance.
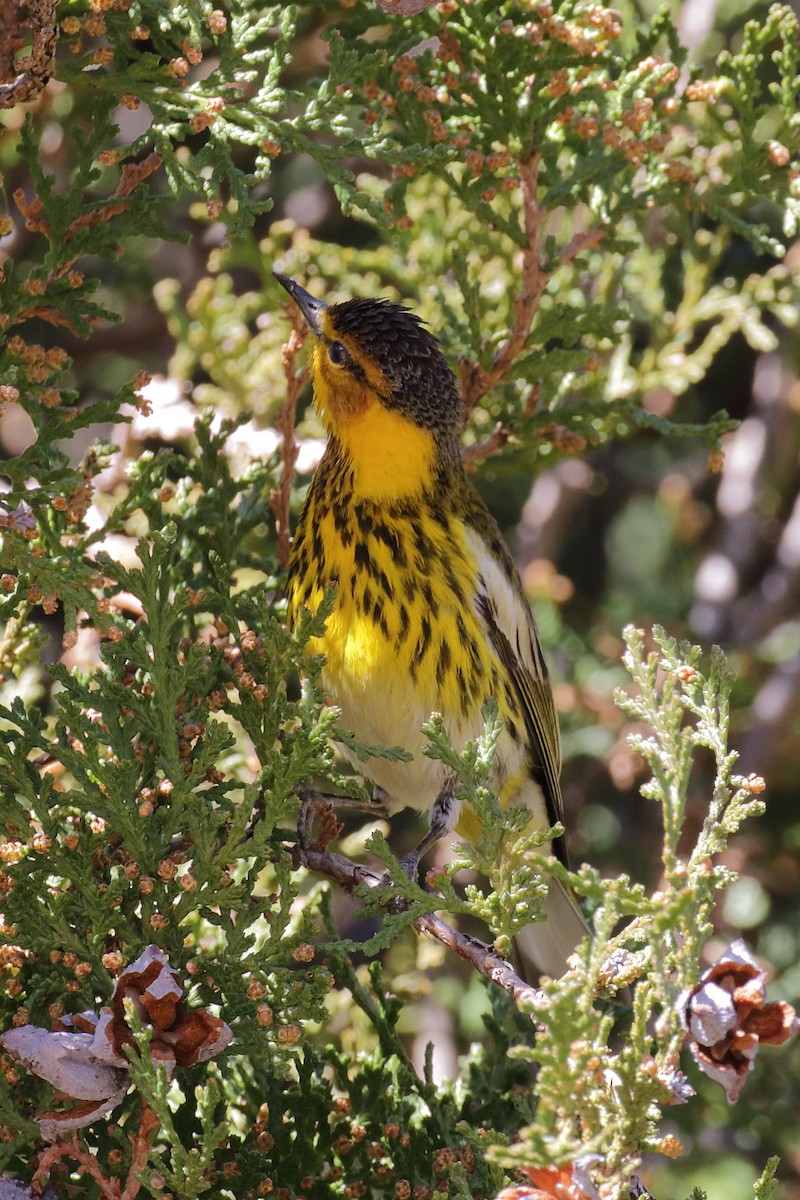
(613, 520)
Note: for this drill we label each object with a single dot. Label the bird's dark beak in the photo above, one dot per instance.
(309, 306)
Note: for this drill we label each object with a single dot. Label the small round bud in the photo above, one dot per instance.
(779, 154)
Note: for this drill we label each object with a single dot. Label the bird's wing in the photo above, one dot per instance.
(509, 626)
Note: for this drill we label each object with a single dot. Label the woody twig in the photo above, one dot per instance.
(476, 381)
(281, 496)
(497, 439)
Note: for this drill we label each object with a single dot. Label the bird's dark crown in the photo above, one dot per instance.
(409, 356)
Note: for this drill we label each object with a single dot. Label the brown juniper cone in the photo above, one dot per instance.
(727, 1017)
(83, 1055)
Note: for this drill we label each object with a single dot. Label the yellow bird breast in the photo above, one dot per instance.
(404, 639)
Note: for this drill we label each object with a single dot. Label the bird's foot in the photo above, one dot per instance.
(443, 819)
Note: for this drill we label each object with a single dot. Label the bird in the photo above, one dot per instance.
(429, 612)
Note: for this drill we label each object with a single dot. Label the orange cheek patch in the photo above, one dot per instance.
(339, 394)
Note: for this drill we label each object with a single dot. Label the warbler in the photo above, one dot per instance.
(429, 612)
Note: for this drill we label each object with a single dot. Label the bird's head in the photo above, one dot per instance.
(383, 388)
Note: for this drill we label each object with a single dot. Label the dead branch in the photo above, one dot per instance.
(86, 1162)
(140, 1143)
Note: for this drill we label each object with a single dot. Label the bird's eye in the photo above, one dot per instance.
(338, 355)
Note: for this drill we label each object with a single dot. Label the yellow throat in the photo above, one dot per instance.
(392, 457)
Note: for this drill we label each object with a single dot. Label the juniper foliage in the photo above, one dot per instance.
(559, 194)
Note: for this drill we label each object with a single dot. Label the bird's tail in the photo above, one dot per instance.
(544, 947)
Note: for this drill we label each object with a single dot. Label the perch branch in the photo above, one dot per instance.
(349, 875)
